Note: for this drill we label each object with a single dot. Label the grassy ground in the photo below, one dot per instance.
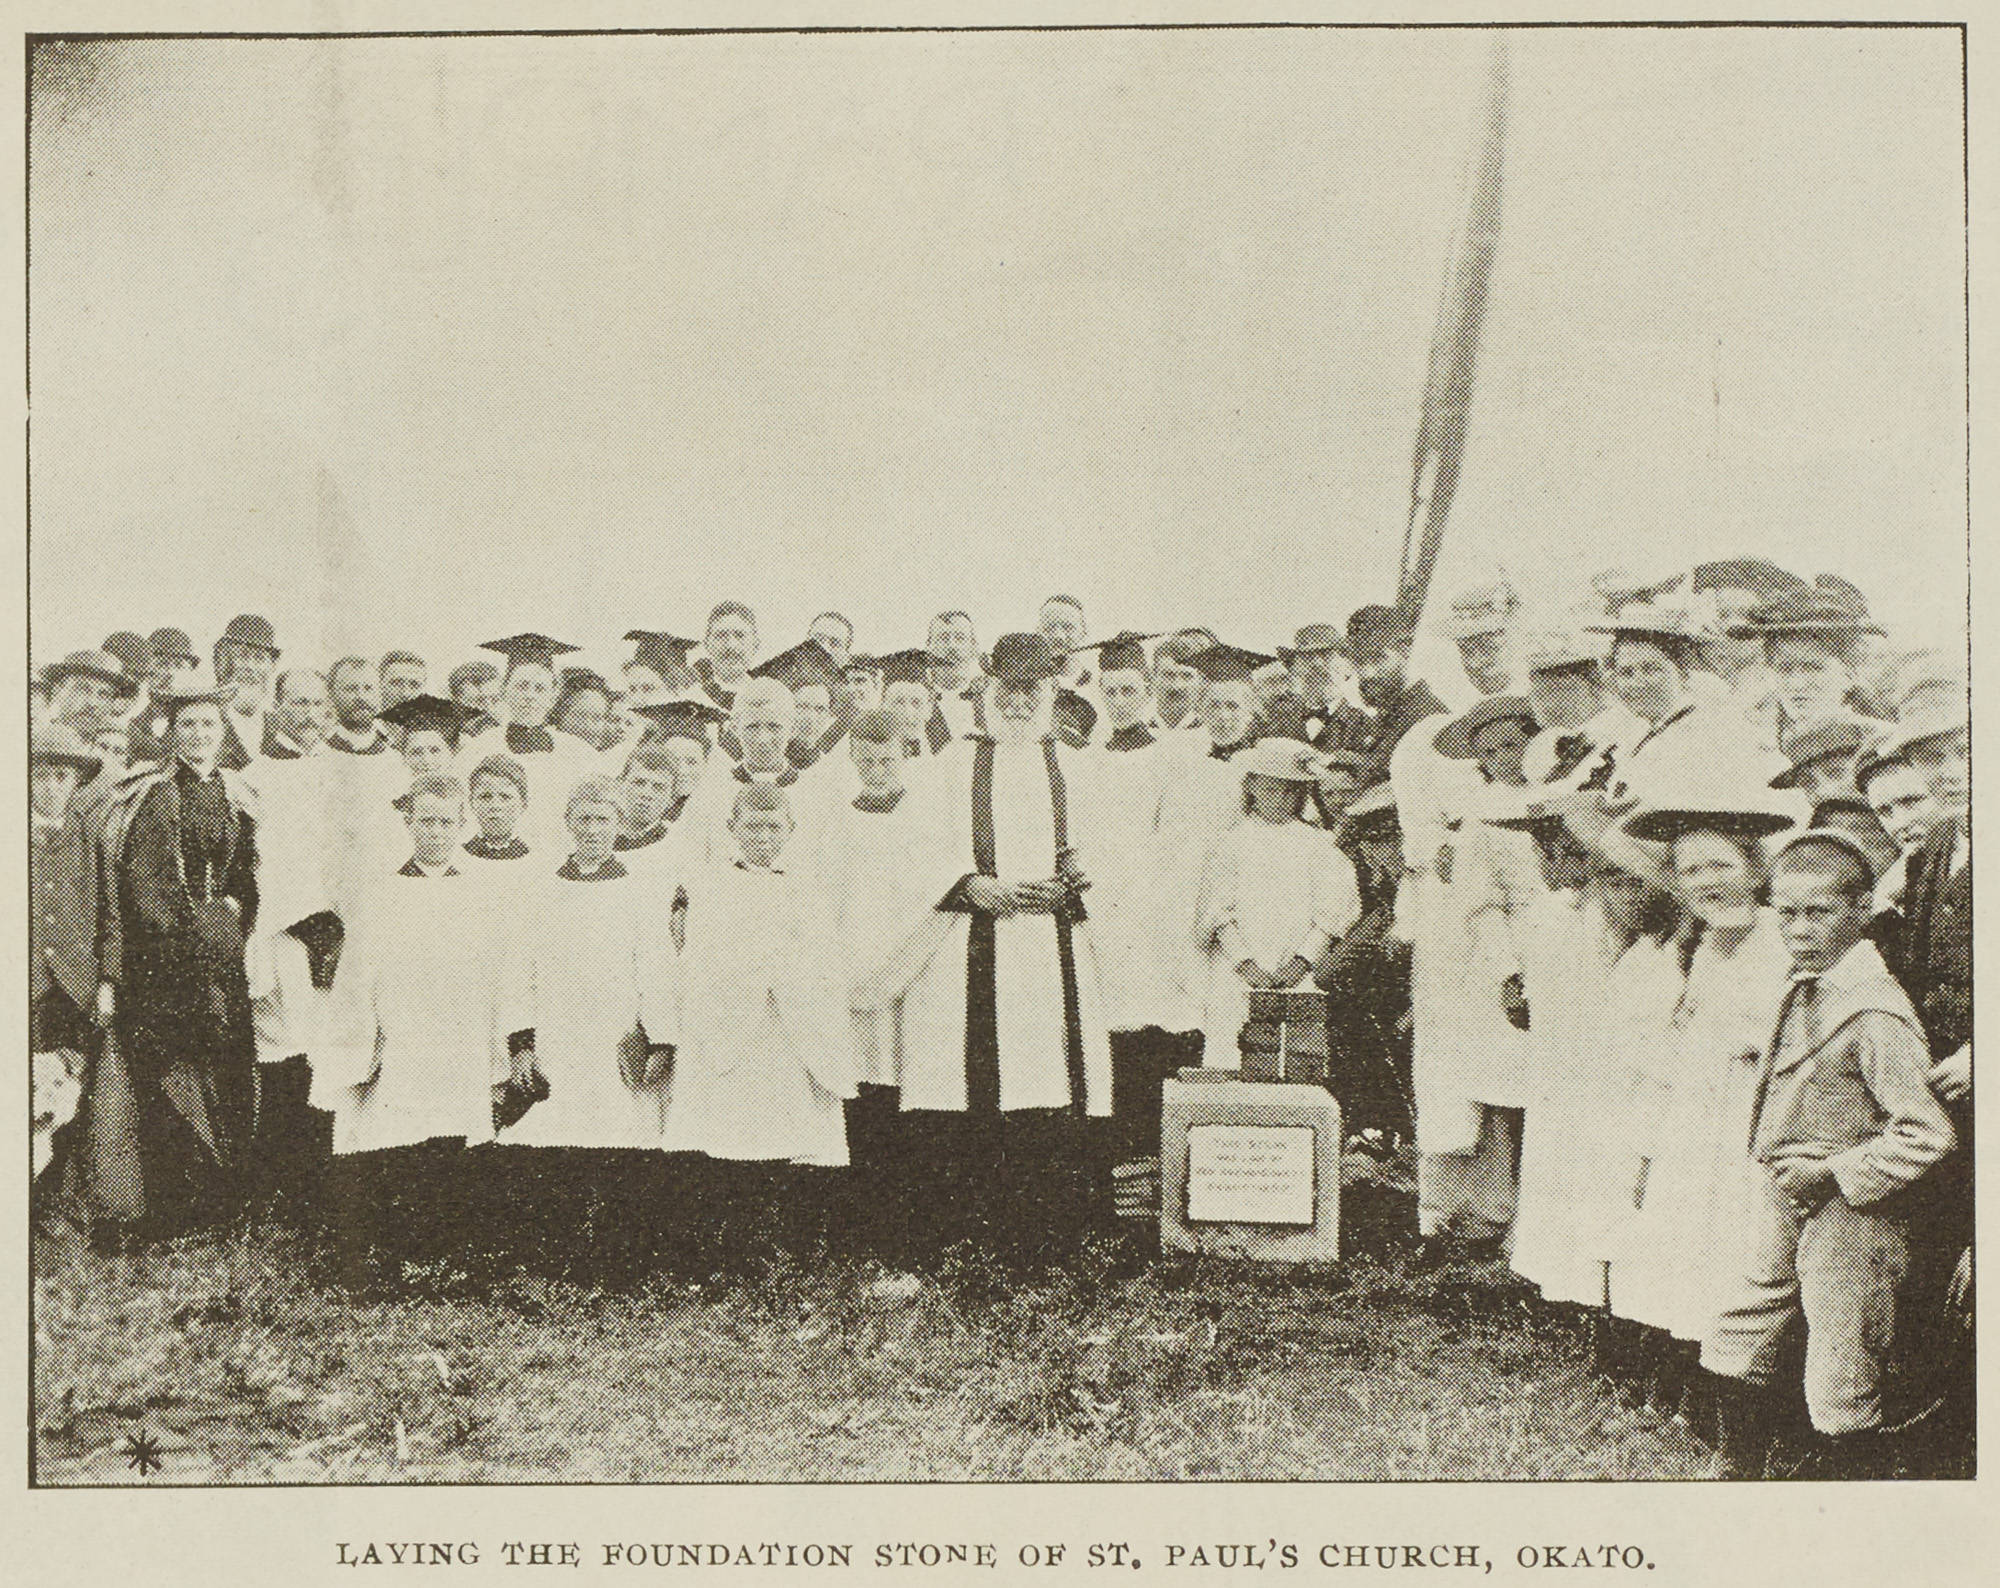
(245, 1364)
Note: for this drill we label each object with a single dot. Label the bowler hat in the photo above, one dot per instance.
(171, 645)
(250, 629)
(1023, 659)
(1374, 628)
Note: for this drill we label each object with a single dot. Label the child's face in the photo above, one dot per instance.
(1123, 691)
(425, 750)
(594, 826)
(53, 784)
(879, 765)
(434, 822)
(763, 731)
(1499, 747)
(761, 835)
(496, 804)
(1273, 799)
(1818, 920)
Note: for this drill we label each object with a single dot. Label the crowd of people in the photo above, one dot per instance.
(1657, 957)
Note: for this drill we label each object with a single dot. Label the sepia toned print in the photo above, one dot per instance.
(889, 757)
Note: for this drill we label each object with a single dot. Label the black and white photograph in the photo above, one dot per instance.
(1007, 756)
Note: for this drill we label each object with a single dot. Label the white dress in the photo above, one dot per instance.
(1567, 952)
(595, 973)
(764, 1052)
(1272, 890)
(417, 1028)
(1697, 1080)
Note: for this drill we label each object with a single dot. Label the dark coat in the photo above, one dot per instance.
(1411, 707)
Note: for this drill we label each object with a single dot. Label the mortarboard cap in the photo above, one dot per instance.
(519, 648)
(1223, 663)
(906, 667)
(171, 645)
(681, 719)
(447, 717)
(807, 662)
(666, 654)
(1123, 650)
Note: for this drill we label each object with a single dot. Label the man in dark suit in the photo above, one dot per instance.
(1311, 708)
(301, 714)
(246, 657)
(1933, 960)
(1378, 641)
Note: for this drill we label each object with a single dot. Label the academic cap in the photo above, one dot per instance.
(1222, 663)
(537, 648)
(1123, 650)
(666, 654)
(447, 717)
(906, 667)
(807, 662)
(681, 719)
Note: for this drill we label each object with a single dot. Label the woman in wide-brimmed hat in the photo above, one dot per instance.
(1275, 894)
(1696, 1074)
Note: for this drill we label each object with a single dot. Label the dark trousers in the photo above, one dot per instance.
(1141, 1062)
(1027, 1186)
(293, 1142)
(861, 1222)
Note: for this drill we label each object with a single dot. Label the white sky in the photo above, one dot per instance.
(418, 341)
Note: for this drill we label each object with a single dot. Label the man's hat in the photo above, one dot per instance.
(1840, 839)
(131, 650)
(1808, 742)
(906, 667)
(171, 645)
(432, 712)
(1483, 609)
(1315, 639)
(92, 664)
(1024, 659)
(1223, 663)
(1454, 739)
(1766, 580)
(1124, 649)
(53, 741)
(807, 662)
(666, 654)
(250, 629)
(520, 648)
(1289, 760)
(1373, 629)
(682, 719)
